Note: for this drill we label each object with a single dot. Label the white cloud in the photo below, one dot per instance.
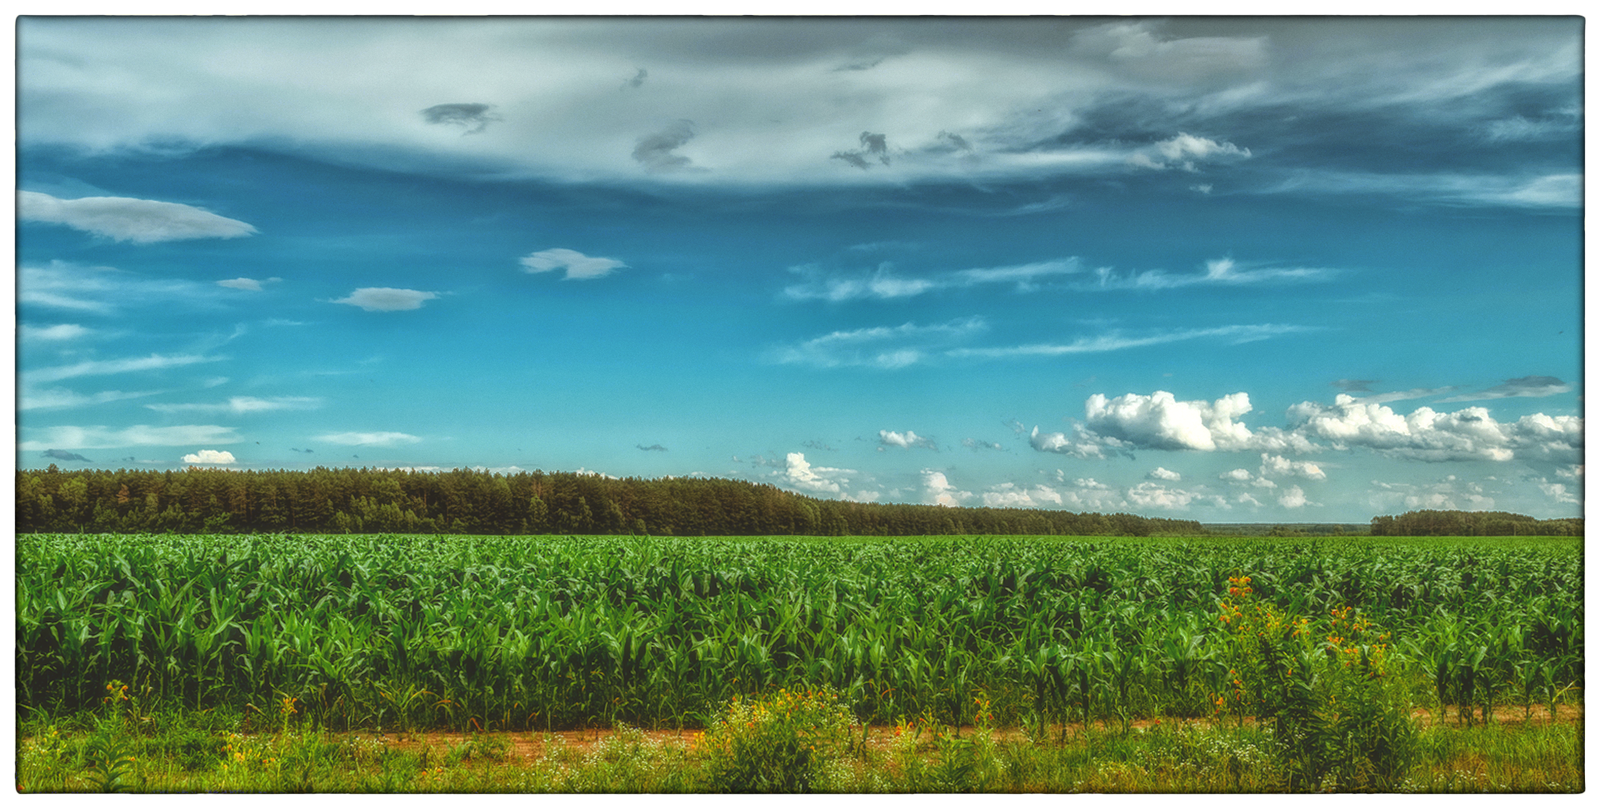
(1160, 421)
(58, 333)
(387, 299)
(380, 439)
(1277, 465)
(1527, 386)
(905, 440)
(883, 284)
(240, 405)
(1219, 272)
(1559, 492)
(1293, 497)
(247, 284)
(1236, 476)
(1115, 341)
(879, 347)
(123, 219)
(1010, 495)
(210, 456)
(579, 267)
(154, 362)
(800, 474)
(1186, 152)
(1425, 434)
(57, 398)
(139, 435)
(939, 492)
(1154, 495)
(1162, 473)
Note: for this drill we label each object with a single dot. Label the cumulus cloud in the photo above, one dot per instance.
(1448, 493)
(240, 405)
(378, 439)
(657, 151)
(798, 473)
(1010, 495)
(139, 435)
(1293, 497)
(1150, 494)
(1160, 422)
(1527, 386)
(247, 284)
(63, 455)
(1278, 466)
(905, 440)
(1425, 434)
(124, 219)
(578, 266)
(471, 117)
(387, 299)
(1162, 473)
(882, 347)
(938, 491)
(210, 456)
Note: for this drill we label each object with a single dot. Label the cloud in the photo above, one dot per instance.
(873, 147)
(139, 435)
(1556, 190)
(1529, 386)
(1354, 385)
(939, 492)
(101, 290)
(124, 219)
(1186, 152)
(1293, 497)
(247, 284)
(1010, 495)
(210, 456)
(154, 362)
(878, 347)
(798, 473)
(60, 332)
(656, 152)
(638, 79)
(1162, 473)
(1277, 466)
(57, 398)
(883, 284)
(471, 117)
(1219, 272)
(976, 445)
(1161, 422)
(579, 267)
(63, 455)
(1428, 435)
(1154, 495)
(905, 440)
(380, 439)
(240, 405)
(387, 299)
(651, 448)
(1116, 341)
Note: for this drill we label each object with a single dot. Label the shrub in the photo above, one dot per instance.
(785, 741)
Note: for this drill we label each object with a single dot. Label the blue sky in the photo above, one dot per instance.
(1229, 269)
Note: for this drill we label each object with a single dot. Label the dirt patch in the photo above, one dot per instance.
(526, 747)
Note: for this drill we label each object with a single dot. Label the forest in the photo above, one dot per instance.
(461, 501)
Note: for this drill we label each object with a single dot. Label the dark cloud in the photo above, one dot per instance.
(818, 445)
(1532, 386)
(1354, 385)
(472, 117)
(651, 448)
(655, 152)
(637, 80)
(63, 455)
(293, 449)
(976, 445)
(872, 146)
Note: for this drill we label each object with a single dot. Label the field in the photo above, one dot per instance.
(1329, 663)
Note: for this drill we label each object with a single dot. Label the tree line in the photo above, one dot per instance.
(1472, 524)
(347, 500)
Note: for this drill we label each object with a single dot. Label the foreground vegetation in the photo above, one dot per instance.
(1316, 652)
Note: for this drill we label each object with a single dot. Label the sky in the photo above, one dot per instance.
(1223, 269)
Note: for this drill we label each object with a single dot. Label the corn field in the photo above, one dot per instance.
(552, 633)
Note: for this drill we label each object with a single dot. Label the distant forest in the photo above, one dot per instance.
(325, 501)
(462, 501)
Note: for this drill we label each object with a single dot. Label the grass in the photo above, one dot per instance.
(204, 752)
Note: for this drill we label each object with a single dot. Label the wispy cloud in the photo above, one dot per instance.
(1117, 341)
(60, 398)
(124, 219)
(377, 439)
(247, 284)
(139, 435)
(240, 405)
(1219, 272)
(1527, 386)
(58, 333)
(154, 362)
(883, 284)
(878, 347)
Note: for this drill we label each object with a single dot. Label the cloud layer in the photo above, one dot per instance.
(123, 219)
